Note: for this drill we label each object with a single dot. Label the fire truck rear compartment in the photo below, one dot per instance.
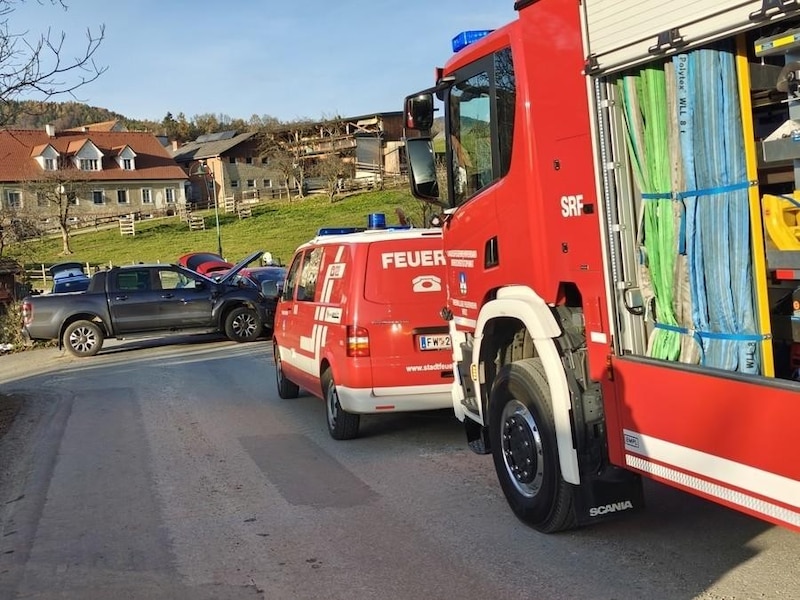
(702, 195)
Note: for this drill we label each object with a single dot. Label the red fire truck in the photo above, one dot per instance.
(620, 216)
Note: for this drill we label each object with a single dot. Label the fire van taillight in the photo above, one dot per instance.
(357, 341)
(27, 313)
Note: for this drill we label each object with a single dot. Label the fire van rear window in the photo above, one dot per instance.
(401, 271)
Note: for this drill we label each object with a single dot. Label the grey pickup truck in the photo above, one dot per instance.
(144, 300)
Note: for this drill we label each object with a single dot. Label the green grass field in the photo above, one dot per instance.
(277, 226)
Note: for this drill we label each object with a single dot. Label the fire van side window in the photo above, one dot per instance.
(291, 278)
(309, 276)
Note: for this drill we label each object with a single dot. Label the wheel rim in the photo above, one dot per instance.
(83, 339)
(332, 404)
(278, 368)
(521, 443)
(244, 325)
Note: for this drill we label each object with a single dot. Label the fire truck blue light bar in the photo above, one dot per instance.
(465, 38)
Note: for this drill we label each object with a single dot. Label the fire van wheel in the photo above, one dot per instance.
(286, 389)
(524, 449)
(83, 338)
(243, 324)
(341, 425)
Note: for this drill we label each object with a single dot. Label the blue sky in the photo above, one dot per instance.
(284, 58)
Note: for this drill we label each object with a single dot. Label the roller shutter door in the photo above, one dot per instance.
(622, 33)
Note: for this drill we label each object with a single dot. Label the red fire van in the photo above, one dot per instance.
(358, 325)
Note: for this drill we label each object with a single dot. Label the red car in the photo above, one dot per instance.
(205, 263)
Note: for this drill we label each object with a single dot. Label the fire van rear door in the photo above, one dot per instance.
(405, 292)
(621, 33)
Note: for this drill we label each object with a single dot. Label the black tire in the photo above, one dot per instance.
(286, 389)
(83, 338)
(523, 438)
(341, 425)
(243, 324)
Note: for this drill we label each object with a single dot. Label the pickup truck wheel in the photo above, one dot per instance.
(286, 389)
(243, 324)
(341, 425)
(523, 438)
(83, 338)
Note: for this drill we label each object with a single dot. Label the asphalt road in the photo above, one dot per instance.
(172, 470)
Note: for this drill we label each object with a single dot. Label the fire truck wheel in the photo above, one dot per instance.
(341, 425)
(524, 449)
(286, 389)
(243, 324)
(83, 338)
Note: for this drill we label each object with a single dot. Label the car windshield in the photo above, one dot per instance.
(267, 275)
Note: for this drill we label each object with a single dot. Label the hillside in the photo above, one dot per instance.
(65, 115)
(277, 226)
(30, 114)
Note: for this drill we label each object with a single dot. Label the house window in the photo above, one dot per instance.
(249, 160)
(41, 200)
(122, 196)
(97, 197)
(127, 164)
(264, 160)
(13, 199)
(88, 164)
(251, 183)
(170, 194)
(232, 160)
(234, 183)
(268, 183)
(147, 196)
(49, 164)
(72, 198)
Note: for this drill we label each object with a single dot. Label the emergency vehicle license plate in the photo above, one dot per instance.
(434, 342)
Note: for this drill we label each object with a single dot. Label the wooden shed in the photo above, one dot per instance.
(9, 290)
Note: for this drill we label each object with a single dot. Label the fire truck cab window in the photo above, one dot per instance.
(481, 123)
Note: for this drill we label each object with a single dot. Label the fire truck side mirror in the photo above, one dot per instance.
(422, 169)
(419, 112)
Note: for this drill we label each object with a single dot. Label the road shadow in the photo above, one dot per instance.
(114, 346)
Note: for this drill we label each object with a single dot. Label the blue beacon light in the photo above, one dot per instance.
(465, 38)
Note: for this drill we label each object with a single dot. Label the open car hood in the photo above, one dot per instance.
(241, 265)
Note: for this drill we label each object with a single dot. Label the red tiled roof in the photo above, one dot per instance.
(75, 146)
(102, 126)
(152, 159)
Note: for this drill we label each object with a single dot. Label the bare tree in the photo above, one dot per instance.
(16, 226)
(333, 170)
(59, 192)
(278, 155)
(287, 148)
(38, 66)
(332, 154)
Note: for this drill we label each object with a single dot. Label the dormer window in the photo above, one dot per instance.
(86, 155)
(46, 156)
(126, 158)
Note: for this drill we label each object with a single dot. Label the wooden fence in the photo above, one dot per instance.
(127, 225)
